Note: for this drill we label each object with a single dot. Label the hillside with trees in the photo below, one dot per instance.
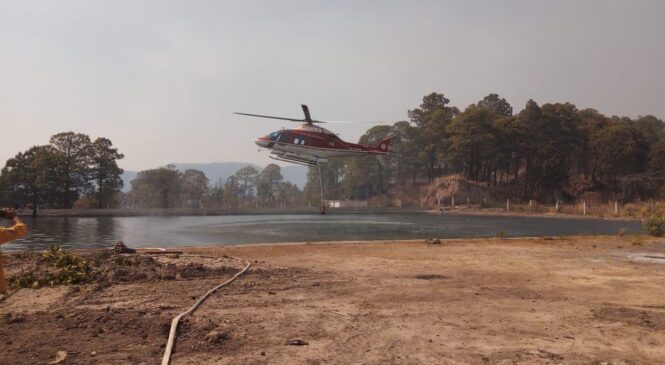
(547, 152)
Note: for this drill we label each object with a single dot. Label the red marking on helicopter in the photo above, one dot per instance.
(310, 144)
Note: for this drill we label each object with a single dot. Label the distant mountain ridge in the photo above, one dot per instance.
(221, 170)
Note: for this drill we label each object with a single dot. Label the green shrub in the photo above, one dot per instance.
(26, 279)
(56, 267)
(654, 225)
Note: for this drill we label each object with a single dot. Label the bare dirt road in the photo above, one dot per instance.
(485, 301)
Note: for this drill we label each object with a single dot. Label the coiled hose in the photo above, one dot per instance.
(174, 323)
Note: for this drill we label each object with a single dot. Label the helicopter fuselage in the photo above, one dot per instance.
(317, 142)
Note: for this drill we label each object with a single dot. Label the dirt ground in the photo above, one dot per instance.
(579, 300)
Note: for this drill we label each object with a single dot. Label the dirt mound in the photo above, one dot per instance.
(106, 268)
(140, 268)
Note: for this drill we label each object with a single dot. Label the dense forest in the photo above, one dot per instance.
(548, 152)
(544, 152)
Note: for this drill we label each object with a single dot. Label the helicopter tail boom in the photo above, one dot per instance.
(386, 144)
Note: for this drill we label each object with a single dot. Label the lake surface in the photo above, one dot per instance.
(243, 229)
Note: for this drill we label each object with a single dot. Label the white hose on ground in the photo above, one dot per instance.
(174, 324)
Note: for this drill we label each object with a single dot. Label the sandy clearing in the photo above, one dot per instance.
(575, 300)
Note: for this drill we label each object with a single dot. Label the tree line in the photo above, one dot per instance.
(70, 169)
(545, 152)
(167, 187)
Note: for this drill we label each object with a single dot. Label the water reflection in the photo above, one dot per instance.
(211, 230)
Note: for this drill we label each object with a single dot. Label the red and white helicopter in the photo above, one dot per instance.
(311, 145)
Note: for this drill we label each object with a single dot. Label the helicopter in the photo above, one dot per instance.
(311, 145)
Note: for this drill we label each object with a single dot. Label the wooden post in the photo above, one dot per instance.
(507, 205)
(556, 207)
(438, 200)
(484, 201)
(452, 201)
(583, 207)
(616, 207)
(468, 201)
(530, 204)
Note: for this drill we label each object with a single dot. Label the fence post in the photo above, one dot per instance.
(452, 201)
(556, 208)
(468, 201)
(438, 200)
(616, 207)
(530, 203)
(507, 205)
(583, 207)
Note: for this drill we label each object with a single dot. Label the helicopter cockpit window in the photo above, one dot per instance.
(273, 136)
(281, 137)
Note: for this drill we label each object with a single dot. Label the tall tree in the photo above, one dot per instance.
(405, 162)
(590, 122)
(194, 187)
(28, 177)
(312, 190)
(158, 188)
(288, 194)
(497, 105)
(618, 151)
(74, 150)
(555, 138)
(529, 120)
(247, 180)
(367, 176)
(473, 142)
(432, 119)
(232, 192)
(215, 196)
(657, 158)
(104, 171)
(267, 182)
(510, 141)
(650, 127)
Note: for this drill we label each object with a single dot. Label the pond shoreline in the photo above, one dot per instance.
(194, 212)
(185, 212)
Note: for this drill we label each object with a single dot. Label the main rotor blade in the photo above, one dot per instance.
(305, 110)
(352, 122)
(271, 117)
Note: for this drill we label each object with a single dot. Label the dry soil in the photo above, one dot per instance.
(579, 300)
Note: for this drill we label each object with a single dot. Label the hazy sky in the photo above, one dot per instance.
(161, 78)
